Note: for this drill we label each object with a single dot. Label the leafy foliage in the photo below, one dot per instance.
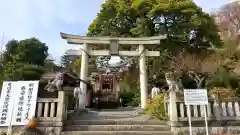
(136, 98)
(185, 25)
(225, 79)
(50, 66)
(196, 67)
(156, 108)
(75, 65)
(126, 97)
(177, 19)
(29, 72)
(66, 61)
(30, 51)
(130, 98)
(221, 93)
(24, 60)
(129, 93)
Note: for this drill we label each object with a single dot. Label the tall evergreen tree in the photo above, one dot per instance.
(66, 61)
(182, 21)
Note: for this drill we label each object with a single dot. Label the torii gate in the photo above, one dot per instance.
(114, 43)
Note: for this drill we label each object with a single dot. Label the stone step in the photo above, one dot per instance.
(115, 122)
(117, 128)
(100, 117)
(116, 133)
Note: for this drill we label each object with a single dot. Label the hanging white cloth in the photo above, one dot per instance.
(155, 91)
(80, 96)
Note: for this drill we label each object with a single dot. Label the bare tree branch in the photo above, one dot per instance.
(228, 20)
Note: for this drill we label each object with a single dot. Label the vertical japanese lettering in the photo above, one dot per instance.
(29, 99)
(3, 117)
(20, 104)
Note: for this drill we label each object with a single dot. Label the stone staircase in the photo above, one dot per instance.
(115, 123)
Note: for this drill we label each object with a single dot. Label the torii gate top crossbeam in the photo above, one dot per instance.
(76, 39)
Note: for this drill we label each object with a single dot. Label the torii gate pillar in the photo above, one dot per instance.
(143, 78)
(84, 71)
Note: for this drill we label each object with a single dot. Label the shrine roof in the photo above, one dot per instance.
(51, 75)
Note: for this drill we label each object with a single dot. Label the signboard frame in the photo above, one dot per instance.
(28, 101)
(196, 97)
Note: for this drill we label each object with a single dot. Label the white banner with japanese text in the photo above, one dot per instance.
(24, 102)
(9, 89)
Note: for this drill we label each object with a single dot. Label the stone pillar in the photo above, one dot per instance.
(61, 107)
(143, 78)
(84, 71)
(217, 110)
(173, 117)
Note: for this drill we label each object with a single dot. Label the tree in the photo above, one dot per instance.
(28, 72)
(197, 68)
(76, 65)
(183, 22)
(11, 48)
(14, 71)
(228, 19)
(179, 20)
(24, 60)
(30, 51)
(66, 61)
(50, 66)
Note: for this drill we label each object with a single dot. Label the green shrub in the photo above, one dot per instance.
(130, 92)
(136, 100)
(130, 98)
(225, 79)
(156, 108)
(126, 97)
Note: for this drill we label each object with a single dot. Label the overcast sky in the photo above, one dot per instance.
(45, 19)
